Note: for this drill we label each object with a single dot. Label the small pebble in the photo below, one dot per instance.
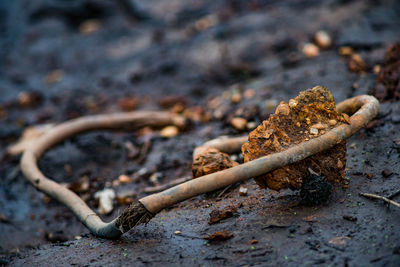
(249, 93)
(154, 178)
(332, 122)
(239, 123)
(243, 191)
(251, 125)
(386, 173)
(234, 157)
(105, 198)
(292, 103)
(377, 69)
(54, 76)
(270, 104)
(89, 26)
(314, 131)
(283, 108)
(310, 50)
(236, 98)
(319, 126)
(346, 51)
(124, 179)
(322, 39)
(350, 218)
(178, 232)
(357, 63)
(77, 237)
(169, 131)
(339, 164)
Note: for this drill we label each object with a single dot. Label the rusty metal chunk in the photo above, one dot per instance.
(307, 116)
(211, 160)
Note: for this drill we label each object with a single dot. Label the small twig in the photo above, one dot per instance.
(144, 150)
(380, 197)
(159, 188)
(224, 191)
(395, 194)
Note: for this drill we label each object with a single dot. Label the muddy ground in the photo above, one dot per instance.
(195, 51)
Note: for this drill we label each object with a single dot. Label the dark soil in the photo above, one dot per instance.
(50, 71)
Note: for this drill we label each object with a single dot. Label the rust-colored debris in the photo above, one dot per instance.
(220, 235)
(218, 215)
(357, 64)
(128, 103)
(309, 115)
(211, 160)
(387, 85)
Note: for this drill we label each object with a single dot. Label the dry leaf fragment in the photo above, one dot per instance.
(218, 215)
(221, 235)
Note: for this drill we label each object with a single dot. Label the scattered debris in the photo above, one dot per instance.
(128, 103)
(89, 26)
(382, 198)
(155, 178)
(339, 241)
(177, 232)
(251, 125)
(105, 198)
(387, 87)
(350, 218)
(357, 64)
(54, 76)
(239, 123)
(126, 197)
(219, 236)
(210, 160)
(275, 223)
(133, 151)
(253, 241)
(29, 99)
(218, 215)
(346, 51)
(310, 50)
(173, 102)
(243, 191)
(82, 185)
(386, 173)
(56, 237)
(3, 218)
(169, 131)
(322, 39)
(124, 179)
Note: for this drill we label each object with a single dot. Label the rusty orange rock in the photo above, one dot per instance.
(211, 160)
(307, 116)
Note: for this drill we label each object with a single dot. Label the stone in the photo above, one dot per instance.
(211, 160)
(292, 125)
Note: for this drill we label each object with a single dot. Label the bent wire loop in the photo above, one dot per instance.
(364, 108)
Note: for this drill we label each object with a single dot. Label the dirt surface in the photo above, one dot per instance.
(206, 53)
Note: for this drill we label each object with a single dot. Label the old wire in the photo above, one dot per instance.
(364, 108)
